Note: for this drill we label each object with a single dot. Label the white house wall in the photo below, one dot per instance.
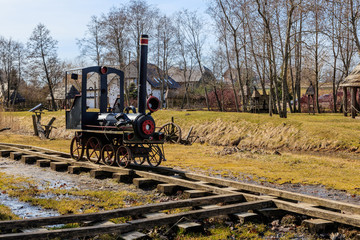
(154, 92)
(113, 92)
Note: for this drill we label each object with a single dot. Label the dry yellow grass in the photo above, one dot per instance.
(299, 132)
(310, 134)
(337, 172)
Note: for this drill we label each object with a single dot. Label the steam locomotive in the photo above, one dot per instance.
(116, 135)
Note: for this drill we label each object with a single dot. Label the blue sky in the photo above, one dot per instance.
(67, 19)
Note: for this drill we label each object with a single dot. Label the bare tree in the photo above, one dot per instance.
(185, 58)
(141, 20)
(164, 50)
(192, 28)
(298, 29)
(225, 41)
(43, 56)
(20, 54)
(92, 45)
(271, 55)
(10, 69)
(285, 90)
(234, 23)
(116, 37)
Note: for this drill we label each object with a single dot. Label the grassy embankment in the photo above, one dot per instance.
(315, 149)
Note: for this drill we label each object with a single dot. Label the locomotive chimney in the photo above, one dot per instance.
(142, 74)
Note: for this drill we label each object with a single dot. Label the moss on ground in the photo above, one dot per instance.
(67, 201)
(7, 214)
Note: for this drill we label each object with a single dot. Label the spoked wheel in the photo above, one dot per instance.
(155, 156)
(172, 132)
(123, 156)
(76, 148)
(93, 150)
(108, 154)
(139, 160)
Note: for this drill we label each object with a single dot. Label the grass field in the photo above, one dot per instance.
(315, 149)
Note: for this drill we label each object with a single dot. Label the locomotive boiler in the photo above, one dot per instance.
(117, 135)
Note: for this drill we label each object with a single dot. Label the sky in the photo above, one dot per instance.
(67, 19)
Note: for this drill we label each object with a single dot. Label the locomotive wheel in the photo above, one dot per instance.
(76, 149)
(155, 156)
(123, 156)
(93, 150)
(172, 132)
(108, 154)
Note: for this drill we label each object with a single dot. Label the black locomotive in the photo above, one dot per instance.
(118, 134)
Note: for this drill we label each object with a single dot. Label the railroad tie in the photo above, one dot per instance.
(74, 169)
(15, 155)
(29, 159)
(318, 225)
(271, 213)
(43, 163)
(167, 188)
(195, 193)
(59, 166)
(245, 217)
(122, 177)
(5, 153)
(134, 236)
(144, 182)
(190, 227)
(100, 174)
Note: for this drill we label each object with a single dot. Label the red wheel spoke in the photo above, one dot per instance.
(93, 149)
(76, 149)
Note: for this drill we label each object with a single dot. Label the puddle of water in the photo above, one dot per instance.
(56, 184)
(25, 210)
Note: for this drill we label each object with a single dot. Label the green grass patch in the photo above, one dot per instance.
(67, 201)
(7, 214)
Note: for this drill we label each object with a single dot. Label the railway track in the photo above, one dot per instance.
(232, 197)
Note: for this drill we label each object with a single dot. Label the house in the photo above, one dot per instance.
(15, 96)
(155, 78)
(59, 95)
(244, 72)
(192, 77)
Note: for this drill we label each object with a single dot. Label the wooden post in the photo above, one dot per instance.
(35, 125)
(353, 101)
(313, 104)
(345, 106)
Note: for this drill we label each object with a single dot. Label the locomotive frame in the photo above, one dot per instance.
(115, 135)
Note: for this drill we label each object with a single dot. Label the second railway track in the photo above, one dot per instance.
(234, 196)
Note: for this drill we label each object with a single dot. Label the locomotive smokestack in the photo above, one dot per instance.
(143, 73)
